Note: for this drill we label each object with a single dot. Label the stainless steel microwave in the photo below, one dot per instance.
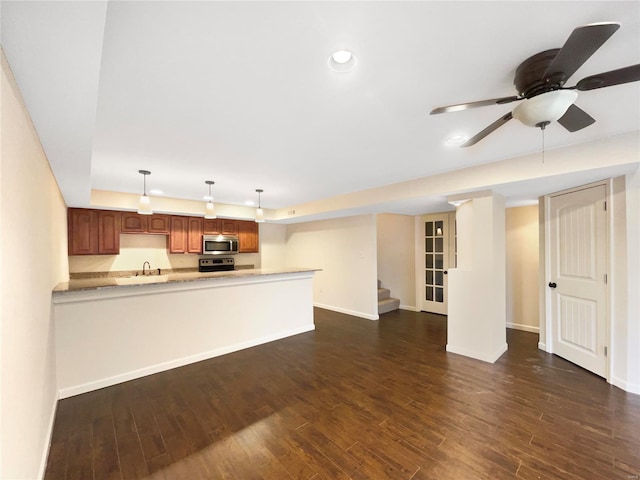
(219, 244)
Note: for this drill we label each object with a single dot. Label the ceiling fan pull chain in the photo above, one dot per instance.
(543, 129)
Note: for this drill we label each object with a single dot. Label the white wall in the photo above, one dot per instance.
(33, 258)
(625, 284)
(396, 257)
(476, 322)
(273, 245)
(345, 250)
(522, 268)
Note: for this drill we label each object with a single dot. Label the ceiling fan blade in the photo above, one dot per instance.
(494, 126)
(580, 45)
(481, 103)
(575, 119)
(608, 79)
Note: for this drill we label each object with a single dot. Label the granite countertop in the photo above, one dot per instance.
(75, 285)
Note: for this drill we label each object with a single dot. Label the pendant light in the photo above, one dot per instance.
(210, 208)
(259, 212)
(144, 206)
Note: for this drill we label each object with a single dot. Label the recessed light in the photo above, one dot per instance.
(341, 56)
(455, 140)
(342, 61)
(155, 191)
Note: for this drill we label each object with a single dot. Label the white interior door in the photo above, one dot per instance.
(435, 245)
(577, 283)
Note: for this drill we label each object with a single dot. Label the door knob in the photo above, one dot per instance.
(552, 284)
(445, 272)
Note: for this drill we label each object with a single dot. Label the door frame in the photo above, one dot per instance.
(419, 254)
(546, 324)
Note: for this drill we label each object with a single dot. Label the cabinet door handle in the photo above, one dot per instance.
(552, 284)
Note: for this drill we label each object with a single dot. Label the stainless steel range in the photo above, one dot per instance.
(216, 264)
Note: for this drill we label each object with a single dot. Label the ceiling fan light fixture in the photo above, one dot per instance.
(544, 108)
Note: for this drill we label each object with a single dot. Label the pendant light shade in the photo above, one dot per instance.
(210, 208)
(144, 206)
(259, 212)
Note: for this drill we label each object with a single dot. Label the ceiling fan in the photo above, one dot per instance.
(540, 83)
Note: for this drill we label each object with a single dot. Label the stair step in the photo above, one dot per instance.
(388, 305)
(383, 293)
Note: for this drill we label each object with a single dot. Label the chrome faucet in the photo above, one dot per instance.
(144, 266)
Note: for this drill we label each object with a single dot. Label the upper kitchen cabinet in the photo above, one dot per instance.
(93, 232)
(248, 237)
(185, 235)
(159, 223)
(194, 235)
(228, 227)
(133, 222)
(211, 226)
(178, 235)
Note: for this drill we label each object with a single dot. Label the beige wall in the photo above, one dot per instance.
(396, 257)
(522, 268)
(345, 250)
(33, 260)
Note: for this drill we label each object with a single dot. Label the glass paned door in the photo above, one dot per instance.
(436, 259)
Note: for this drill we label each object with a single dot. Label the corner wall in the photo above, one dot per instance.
(34, 259)
(345, 250)
(396, 257)
(522, 268)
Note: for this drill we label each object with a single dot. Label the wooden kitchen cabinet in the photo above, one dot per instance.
(228, 226)
(108, 232)
(194, 235)
(133, 222)
(159, 223)
(211, 226)
(248, 237)
(178, 234)
(93, 232)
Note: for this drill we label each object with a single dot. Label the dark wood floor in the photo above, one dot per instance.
(355, 400)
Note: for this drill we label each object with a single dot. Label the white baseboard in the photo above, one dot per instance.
(542, 346)
(368, 316)
(178, 362)
(626, 386)
(524, 328)
(410, 308)
(45, 451)
(489, 358)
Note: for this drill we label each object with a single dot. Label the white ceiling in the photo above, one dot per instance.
(240, 92)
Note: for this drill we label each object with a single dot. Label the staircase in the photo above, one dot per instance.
(385, 302)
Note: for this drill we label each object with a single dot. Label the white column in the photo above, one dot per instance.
(477, 293)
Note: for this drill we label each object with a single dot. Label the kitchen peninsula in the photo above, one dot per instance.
(111, 330)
